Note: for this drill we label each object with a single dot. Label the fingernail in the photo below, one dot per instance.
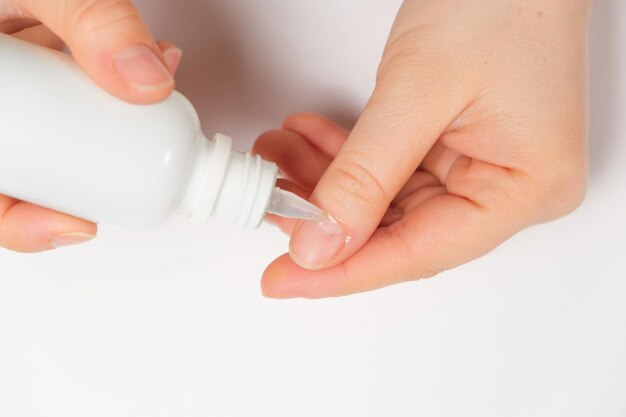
(69, 239)
(172, 58)
(315, 244)
(141, 68)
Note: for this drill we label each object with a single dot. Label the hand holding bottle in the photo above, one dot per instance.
(114, 47)
(476, 129)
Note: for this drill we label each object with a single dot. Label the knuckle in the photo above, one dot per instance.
(570, 192)
(353, 178)
(417, 48)
(397, 77)
(393, 63)
(418, 265)
(565, 188)
(93, 16)
(400, 51)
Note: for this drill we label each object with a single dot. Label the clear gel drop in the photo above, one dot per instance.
(286, 204)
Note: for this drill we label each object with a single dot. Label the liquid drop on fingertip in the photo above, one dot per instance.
(287, 204)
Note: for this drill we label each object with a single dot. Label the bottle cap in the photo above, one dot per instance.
(232, 186)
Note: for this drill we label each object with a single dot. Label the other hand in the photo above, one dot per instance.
(114, 47)
(476, 130)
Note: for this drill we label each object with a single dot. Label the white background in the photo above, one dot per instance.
(171, 322)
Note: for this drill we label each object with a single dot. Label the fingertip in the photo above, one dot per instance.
(318, 130)
(144, 73)
(113, 45)
(28, 228)
(265, 144)
(308, 121)
(295, 120)
(315, 245)
(280, 280)
(64, 223)
(64, 230)
(136, 73)
(271, 281)
(172, 58)
(172, 55)
(284, 279)
(70, 239)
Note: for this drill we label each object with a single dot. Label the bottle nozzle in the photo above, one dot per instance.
(286, 204)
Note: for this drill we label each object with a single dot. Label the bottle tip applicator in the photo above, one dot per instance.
(287, 204)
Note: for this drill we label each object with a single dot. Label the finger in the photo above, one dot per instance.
(439, 161)
(13, 26)
(417, 191)
(382, 152)
(13, 19)
(438, 232)
(110, 41)
(28, 228)
(322, 133)
(40, 35)
(172, 55)
(441, 234)
(296, 157)
(420, 179)
(412, 202)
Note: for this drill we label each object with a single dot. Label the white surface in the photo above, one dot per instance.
(171, 323)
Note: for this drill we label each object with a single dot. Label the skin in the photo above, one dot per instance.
(476, 130)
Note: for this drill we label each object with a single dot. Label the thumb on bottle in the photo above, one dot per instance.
(109, 39)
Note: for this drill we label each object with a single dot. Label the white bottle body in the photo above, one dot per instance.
(67, 145)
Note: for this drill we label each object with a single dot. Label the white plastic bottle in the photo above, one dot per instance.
(67, 145)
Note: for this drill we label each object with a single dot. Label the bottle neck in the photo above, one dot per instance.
(228, 185)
